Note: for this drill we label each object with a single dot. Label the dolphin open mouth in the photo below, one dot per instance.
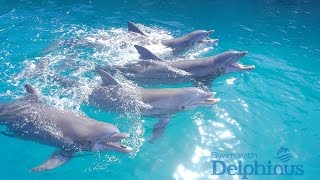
(112, 143)
(207, 100)
(241, 67)
(211, 101)
(111, 146)
(236, 66)
(117, 146)
(207, 39)
(209, 32)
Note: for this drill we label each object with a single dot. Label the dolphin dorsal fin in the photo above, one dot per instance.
(145, 54)
(107, 79)
(32, 94)
(30, 89)
(133, 28)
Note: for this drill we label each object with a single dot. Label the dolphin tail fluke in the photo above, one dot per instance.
(57, 159)
(158, 129)
(145, 54)
(133, 28)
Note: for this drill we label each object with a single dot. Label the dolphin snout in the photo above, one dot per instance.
(242, 54)
(209, 100)
(119, 136)
(210, 32)
(211, 94)
(234, 66)
(118, 147)
(113, 143)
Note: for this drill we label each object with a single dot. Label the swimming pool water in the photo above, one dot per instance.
(276, 105)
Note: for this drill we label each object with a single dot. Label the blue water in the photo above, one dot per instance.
(275, 105)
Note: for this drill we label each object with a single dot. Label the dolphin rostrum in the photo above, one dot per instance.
(29, 119)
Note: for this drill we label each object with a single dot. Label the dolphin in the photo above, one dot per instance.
(154, 70)
(159, 103)
(180, 43)
(176, 44)
(30, 119)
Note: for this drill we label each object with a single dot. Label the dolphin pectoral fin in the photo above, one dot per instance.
(158, 128)
(145, 54)
(107, 78)
(57, 159)
(133, 28)
(8, 134)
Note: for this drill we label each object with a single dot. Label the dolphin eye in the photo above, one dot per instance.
(183, 108)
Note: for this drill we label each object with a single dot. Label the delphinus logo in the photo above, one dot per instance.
(250, 164)
(283, 154)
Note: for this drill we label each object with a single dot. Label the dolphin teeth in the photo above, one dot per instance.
(240, 66)
(211, 100)
(210, 32)
(237, 65)
(123, 146)
(209, 40)
(120, 146)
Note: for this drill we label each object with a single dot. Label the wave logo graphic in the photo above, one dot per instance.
(284, 155)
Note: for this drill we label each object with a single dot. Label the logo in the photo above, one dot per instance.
(249, 164)
(283, 154)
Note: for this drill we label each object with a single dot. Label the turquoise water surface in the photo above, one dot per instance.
(276, 105)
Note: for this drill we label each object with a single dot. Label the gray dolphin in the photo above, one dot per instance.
(180, 43)
(31, 120)
(160, 103)
(154, 70)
